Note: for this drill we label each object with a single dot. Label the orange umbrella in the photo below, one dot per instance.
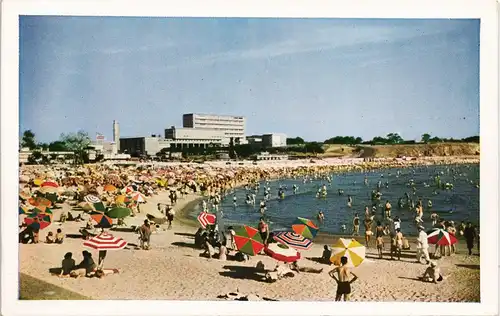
(109, 188)
(39, 201)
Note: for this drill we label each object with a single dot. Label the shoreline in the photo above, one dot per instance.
(183, 217)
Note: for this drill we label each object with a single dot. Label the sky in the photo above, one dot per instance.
(313, 78)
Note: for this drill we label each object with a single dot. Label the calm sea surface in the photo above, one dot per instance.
(459, 203)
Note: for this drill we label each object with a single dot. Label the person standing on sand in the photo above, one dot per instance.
(145, 235)
(355, 224)
(422, 245)
(470, 235)
(388, 208)
(343, 282)
(264, 231)
(368, 231)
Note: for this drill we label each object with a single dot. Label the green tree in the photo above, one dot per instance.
(425, 138)
(358, 140)
(37, 158)
(394, 138)
(58, 146)
(28, 140)
(295, 141)
(77, 143)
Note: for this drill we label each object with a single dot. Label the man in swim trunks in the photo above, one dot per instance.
(343, 282)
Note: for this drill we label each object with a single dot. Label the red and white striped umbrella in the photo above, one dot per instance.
(206, 219)
(282, 252)
(50, 183)
(138, 197)
(105, 241)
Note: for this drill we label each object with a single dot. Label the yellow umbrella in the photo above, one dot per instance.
(120, 199)
(350, 248)
(38, 182)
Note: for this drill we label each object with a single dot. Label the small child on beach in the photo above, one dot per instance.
(380, 246)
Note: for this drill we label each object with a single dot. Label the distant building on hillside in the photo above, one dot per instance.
(274, 140)
(231, 126)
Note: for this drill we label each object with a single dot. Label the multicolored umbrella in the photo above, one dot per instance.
(23, 210)
(282, 252)
(102, 220)
(128, 190)
(293, 240)
(305, 227)
(119, 212)
(350, 248)
(39, 201)
(109, 188)
(441, 237)
(248, 240)
(49, 183)
(43, 219)
(91, 199)
(206, 219)
(138, 197)
(105, 241)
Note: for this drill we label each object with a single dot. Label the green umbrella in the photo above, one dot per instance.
(119, 212)
(248, 240)
(99, 206)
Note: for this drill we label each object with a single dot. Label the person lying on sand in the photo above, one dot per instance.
(343, 282)
(86, 267)
(295, 267)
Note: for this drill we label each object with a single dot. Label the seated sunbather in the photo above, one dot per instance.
(59, 237)
(68, 265)
(432, 274)
(295, 267)
(50, 238)
(86, 267)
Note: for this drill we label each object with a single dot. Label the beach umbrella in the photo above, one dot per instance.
(441, 237)
(104, 242)
(24, 196)
(39, 201)
(49, 189)
(122, 199)
(49, 183)
(248, 240)
(109, 188)
(99, 206)
(91, 199)
(102, 220)
(119, 212)
(128, 190)
(206, 219)
(282, 252)
(138, 197)
(350, 248)
(37, 182)
(293, 240)
(305, 227)
(44, 220)
(23, 210)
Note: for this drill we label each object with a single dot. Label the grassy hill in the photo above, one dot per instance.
(412, 150)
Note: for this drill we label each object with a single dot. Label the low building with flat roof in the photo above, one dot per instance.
(140, 146)
(195, 138)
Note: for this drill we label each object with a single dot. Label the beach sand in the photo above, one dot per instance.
(174, 270)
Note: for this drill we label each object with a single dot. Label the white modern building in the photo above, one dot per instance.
(231, 126)
(274, 140)
(193, 137)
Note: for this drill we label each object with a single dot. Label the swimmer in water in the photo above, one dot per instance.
(349, 201)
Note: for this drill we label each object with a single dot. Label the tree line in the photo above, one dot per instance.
(77, 143)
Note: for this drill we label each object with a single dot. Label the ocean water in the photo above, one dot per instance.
(459, 204)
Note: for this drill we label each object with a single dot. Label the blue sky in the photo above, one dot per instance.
(314, 78)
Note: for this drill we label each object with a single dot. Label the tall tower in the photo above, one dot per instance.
(116, 135)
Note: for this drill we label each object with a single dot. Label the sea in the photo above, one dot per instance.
(459, 201)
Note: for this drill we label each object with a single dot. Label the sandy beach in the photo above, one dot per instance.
(173, 269)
